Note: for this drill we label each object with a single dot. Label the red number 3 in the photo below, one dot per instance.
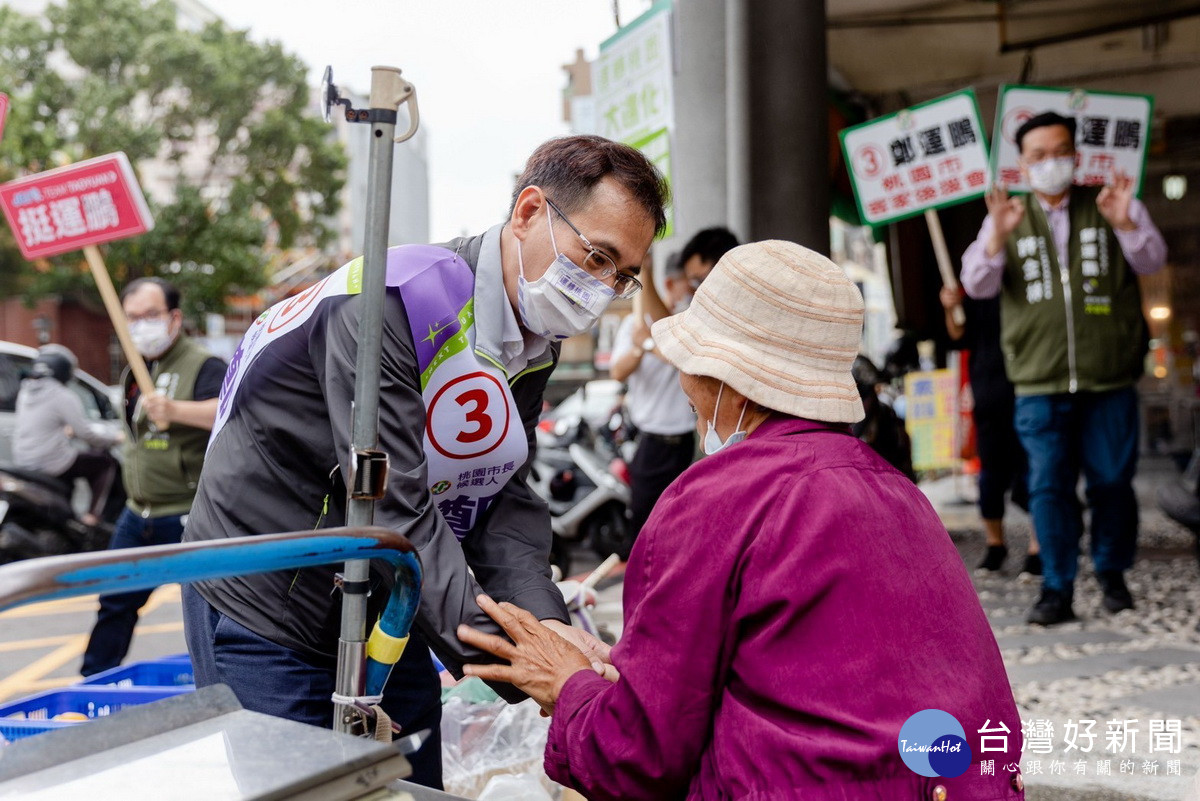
(476, 415)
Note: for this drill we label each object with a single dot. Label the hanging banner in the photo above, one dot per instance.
(931, 418)
(634, 89)
(1112, 132)
(928, 156)
(61, 210)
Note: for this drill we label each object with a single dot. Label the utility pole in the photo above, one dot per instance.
(787, 128)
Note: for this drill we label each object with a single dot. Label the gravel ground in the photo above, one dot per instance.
(1164, 627)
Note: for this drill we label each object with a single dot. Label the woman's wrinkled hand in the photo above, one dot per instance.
(540, 660)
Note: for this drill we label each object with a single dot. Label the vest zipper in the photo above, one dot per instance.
(1073, 383)
(1064, 273)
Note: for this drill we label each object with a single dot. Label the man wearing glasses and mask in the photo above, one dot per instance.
(470, 333)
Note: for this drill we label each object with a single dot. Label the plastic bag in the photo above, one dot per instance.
(514, 788)
(484, 741)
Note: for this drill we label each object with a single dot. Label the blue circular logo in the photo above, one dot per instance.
(933, 743)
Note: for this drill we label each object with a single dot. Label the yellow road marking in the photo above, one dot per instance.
(85, 603)
(59, 639)
(37, 670)
(70, 646)
(65, 606)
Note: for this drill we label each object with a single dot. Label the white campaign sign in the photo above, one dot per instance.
(633, 79)
(1111, 136)
(634, 89)
(930, 155)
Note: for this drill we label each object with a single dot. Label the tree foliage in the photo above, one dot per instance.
(235, 165)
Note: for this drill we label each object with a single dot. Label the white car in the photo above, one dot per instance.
(15, 364)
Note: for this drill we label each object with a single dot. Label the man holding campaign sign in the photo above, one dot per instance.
(1064, 261)
(468, 343)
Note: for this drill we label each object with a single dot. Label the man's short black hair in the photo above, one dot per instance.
(569, 167)
(1045, 120)
(168, 289)
(710, 245)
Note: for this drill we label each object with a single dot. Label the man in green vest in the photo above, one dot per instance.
(1064, 261)
(164, 449)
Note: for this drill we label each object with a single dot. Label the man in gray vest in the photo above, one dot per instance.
(164, 449)
(1064, 261)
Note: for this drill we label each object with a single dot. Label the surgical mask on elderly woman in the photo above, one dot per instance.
(567, 299)
(712, 440)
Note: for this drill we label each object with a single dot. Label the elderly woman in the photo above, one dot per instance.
(793, 600)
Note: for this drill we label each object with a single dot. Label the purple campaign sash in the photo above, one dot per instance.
(474, 438)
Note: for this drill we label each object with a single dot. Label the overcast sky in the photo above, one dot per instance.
(488, 77)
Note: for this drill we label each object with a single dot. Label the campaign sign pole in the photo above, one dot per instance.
(116, 313)
(78, 207)
(942, 253)
(368, 479)
(3, 112)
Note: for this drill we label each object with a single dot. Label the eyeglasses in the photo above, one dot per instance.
(625, 285)
(150, 315)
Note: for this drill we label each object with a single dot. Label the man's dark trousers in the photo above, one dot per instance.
(1097, 431)
(658, 461)
(118, 615)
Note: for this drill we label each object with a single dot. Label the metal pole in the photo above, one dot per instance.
(737, 120)
(788, 101)
(388, 90)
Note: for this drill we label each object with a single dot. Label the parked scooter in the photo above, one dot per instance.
(36, 518)
(587, 498)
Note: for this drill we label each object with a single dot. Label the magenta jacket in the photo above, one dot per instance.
(790, 603)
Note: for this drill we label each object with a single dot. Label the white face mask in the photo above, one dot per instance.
(682, 304)
(1052, 176)
(712, 440)
(151, 337)
(567, 300)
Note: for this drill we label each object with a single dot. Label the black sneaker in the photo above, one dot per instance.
(1116, 594)
(1033, 565)
(1053, 607)
(996, 554)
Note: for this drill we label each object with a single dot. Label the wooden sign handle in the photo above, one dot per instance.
(943, 259)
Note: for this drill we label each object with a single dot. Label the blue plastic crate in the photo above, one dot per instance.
(35, 714)
(168, 672)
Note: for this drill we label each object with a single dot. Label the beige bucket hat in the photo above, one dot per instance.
(779, 323)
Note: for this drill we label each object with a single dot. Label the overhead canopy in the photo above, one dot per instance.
(905, 51)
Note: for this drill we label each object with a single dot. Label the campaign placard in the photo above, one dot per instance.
(928, 156)
(65, 209)
(1112, 132)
